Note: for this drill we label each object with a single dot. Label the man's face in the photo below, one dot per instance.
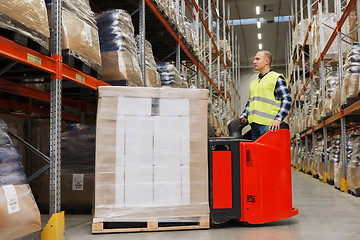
(260, 61)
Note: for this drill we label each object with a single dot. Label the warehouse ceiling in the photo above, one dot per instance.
(274, 34)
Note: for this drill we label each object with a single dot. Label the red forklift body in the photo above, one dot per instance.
(251, 181)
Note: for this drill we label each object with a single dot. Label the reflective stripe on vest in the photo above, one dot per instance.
(265, 100)
(263, 107)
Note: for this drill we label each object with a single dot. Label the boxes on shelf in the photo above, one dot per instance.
(331, 85)
(329, 24)
(169, 75)
(27, 17)
(334, 159)
(298, 38)
(151, 154)
(19, 214)
(118, 48)
(152, 77)
(351, 142)
(351, 85)
(77, 170)
(353, 170)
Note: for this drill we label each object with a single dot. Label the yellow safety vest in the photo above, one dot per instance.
(263, 106)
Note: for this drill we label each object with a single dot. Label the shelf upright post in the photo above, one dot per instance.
(142, 38)
(322, 80)
(178, 60)
(236, 69)
(239, 72)
(303, 76)
(210, 52)
(197, 34)
(358, 14)
(55, 110)
(224, 54)
(313, 135)
(298, 112)
(204, 41)
(218, 58)
(342, 119)
(233, 64)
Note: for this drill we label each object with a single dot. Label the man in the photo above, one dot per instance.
(269, 101)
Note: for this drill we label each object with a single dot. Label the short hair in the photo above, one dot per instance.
(268, 55)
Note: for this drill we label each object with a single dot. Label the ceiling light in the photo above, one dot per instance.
(260, 46)
(257, 9)
(258, 24)
(259, 36)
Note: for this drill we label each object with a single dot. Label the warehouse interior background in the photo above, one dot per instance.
(118, 107)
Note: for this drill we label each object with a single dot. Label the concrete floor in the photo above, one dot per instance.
(325, 213)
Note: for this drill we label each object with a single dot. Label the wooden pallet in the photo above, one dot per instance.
(23, 40)
(73, 60)
(153, 224)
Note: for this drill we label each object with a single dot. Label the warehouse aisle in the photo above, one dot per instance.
(325, 213)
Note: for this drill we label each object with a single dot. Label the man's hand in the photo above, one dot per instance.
(275, 125)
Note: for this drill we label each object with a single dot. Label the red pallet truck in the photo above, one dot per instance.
(250, 181)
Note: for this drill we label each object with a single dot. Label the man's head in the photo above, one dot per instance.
(262, 61)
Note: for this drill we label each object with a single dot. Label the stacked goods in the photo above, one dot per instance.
(77, 169)
(27, 17)
(297, 38)
(151, 157)
(169, 75)
(80, 39)
(353, 26)
(118, 48)
(329, 21)
(334, 159)
(152, 77)
(318, 164)
(351, 76)
(19, 214)
(353, 170)
(316, 113)
(331, 85)
(349, 152)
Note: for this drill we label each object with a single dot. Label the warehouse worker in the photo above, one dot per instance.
(269, 101)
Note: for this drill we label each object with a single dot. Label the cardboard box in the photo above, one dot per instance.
(77, 191)
(121, 65)
(155, 151)
(353, 177)
(81, 38)
(28, 17)
(20, 218)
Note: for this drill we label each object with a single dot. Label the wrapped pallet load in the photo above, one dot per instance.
(353, 170)
(329, 21)
(334, 159)
(77, 170)
(170, 76)
(19, 214)
(351, 76)
(350, 140)
(151, 159)
(152, 77)
(26, 17)
(118, 48)
(331, 85)
(80, 39)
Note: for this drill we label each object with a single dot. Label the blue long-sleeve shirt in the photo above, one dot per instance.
(281, 93)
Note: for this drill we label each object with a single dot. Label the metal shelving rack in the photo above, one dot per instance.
(228, 100)
(319, 67)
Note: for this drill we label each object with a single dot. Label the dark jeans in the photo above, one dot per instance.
(257, 130)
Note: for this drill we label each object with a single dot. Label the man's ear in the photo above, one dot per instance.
(267, 61)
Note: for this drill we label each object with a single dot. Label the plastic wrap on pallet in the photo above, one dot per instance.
(152, 76)
(27, 17)
(20, 215)
(352, 76)
(334, 158)
(118, 48)
(353, 170)
(329, 24)
(353, 26)
(169, 75)
(82, 9)
(297, 39)
(331, 85)
(349, 152)
(82, 39)
(151, 154)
